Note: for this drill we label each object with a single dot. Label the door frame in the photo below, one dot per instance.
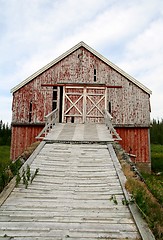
(84, 96)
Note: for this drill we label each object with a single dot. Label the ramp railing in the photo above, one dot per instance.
(50, 121)
(108, 121)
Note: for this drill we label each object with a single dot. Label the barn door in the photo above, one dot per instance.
(95, 104)
(84, 104)
(73, 104)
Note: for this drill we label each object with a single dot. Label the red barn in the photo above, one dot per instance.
(81, 83)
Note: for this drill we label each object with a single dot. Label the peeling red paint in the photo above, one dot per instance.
(135, 141)
(23, 137)
(129, 104)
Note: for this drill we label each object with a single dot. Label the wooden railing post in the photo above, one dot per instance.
(108, 122)
(50, 121)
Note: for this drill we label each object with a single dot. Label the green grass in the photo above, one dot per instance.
(149, 196)
(4, 157)
(154, 181)
(7, 168)
(155, 184)
(4, 163)
(150, 208)
(157, 157)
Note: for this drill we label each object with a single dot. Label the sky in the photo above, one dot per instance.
(35, 32)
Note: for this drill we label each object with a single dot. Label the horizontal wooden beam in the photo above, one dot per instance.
(108, 86)
(80, 84)
(22, 124)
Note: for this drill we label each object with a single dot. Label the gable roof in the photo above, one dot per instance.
(71, 50)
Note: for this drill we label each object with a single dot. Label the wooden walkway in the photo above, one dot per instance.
(77, 195)
(72, 132)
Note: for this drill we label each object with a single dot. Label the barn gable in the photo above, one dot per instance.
(70, 51)
(127, 99)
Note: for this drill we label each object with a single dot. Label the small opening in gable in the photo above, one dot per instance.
(110, 107)
(95, 75)
(30, 111)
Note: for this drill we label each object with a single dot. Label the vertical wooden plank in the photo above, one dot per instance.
(135, 141)
(84, 104)
(63, 105)
(106, 97)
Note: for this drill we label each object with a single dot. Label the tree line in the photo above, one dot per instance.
(5, 134)
(156, 131)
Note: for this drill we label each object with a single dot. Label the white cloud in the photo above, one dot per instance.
(156, 106)
(147, 43)
(129, 33)
(5, 109)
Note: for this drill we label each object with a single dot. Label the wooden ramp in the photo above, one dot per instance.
(77, 194)
(70, 198)
(71, 132)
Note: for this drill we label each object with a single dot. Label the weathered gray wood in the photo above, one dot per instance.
(80, 132)
(50, 121)
(8, 189)
(108, 122)
(69, 200)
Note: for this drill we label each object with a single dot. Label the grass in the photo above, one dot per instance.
(154, 181)
(152, 204)
(157, 158)
(8, 169)
(155, 185)
(149, 194)
(4, 163)
(4, 157)
(150, 208)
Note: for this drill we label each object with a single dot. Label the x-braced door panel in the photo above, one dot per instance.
(95, 104)
(84, 104)
(73, 104)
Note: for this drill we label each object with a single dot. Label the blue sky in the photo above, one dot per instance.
(128, 33)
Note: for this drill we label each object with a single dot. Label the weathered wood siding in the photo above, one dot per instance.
(136, 142)
(129, 104)
(32, 93)
(23, 137)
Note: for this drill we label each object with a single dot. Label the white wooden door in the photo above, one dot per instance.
(84, 104)
(73, 104)
(95, 104)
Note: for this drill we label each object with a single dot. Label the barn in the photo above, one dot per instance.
(82, 83)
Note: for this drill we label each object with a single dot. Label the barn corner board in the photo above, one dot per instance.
(81, 83)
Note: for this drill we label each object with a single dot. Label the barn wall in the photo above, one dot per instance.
(22, 137)
(41, 103)
(129, 104)
(135, 141)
